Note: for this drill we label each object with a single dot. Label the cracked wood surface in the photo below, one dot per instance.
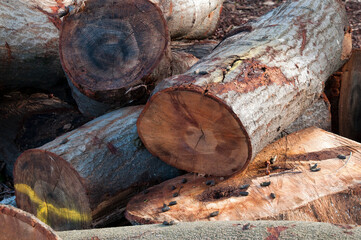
(249, 89)
(84, 176)
(331, 194)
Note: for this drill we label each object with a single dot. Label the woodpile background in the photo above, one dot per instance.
(100, 96)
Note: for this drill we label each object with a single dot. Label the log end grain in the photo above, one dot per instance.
(51, 189)
(195, 132)
(109, 48)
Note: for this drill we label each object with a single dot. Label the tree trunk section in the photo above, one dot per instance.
(188, 19)
(29, 44)
(84, 177)
(180, 63)
(29, 121)
(350, 98)
(20, 225)
(331, 194)
(199, 49)
(216, 117)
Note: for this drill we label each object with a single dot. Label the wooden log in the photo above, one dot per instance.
(199, 49)
(350, 97)
(31, 120)
(329, 193)
(29, 44)
(180, 62)
(20, 225)
(216, 117)
(85, 177)
(191, 19)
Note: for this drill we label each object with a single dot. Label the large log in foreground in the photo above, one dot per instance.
(85, 177)
(216, 117)
(20, 225)
(331, 192)
(29, 44)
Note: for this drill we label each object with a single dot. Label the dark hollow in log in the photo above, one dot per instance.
(216, 117)
(20, 225)
(110, 47)
(83, 177)
(331, 192)
(31, 120)
(350, 98)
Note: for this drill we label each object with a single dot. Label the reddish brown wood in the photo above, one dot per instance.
(20, 225)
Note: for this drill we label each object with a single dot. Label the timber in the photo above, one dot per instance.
(179, 63)
(217, 116)
(85, 177)
(330, 193)
(31, 120)
(350, 97)
(29, 44)
(20, 225)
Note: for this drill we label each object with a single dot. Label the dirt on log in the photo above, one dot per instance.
(20, 225)
(31, 120)
(216, 117)
(85, 177)
(313, 175)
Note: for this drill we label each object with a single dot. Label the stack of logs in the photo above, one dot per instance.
(210, 117)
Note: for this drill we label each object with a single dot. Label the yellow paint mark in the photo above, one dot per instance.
(44, 208)
(235, 65)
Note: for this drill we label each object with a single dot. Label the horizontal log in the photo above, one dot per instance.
(291, 190)
(85, 177)
(217, 116)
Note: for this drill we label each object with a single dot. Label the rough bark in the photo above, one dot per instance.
(331, 194)
(31, 120)
(246, 230)
(29, 44)
(20, 225)
(350, 98)
(188, 19)
(199, 49)
(216, 117)
(85, 177)
(180, 62)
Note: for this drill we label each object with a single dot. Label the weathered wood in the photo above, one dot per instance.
(84, 176)
(350, 98)
(188, 19)
(20, 225)
(29, 44)
(31, 120)
(216, 117)
(199, 49)
(177, 64)
(331, 194)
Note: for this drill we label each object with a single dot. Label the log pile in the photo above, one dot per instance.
(159, 106)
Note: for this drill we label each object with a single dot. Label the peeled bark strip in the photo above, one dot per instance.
(330, 194)
(216, 117)
(29, 44)
(29, 121)
(83, 177)
(189, 19)
(20, 225)
(179, 63)
(109, 48)
(350, 98)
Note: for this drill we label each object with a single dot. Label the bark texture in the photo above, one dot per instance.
(216, 117)
(29, 44)
(190, 19)
(31, 120)
(350, 98)
(20, 225)
(84, 177)
(178, 63)
(330, 194)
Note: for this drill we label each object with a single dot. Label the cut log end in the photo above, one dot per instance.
(195, 132)
(55, 195)
(17, 224)
(110, 46)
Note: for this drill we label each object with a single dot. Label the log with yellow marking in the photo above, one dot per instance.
(85, 177)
